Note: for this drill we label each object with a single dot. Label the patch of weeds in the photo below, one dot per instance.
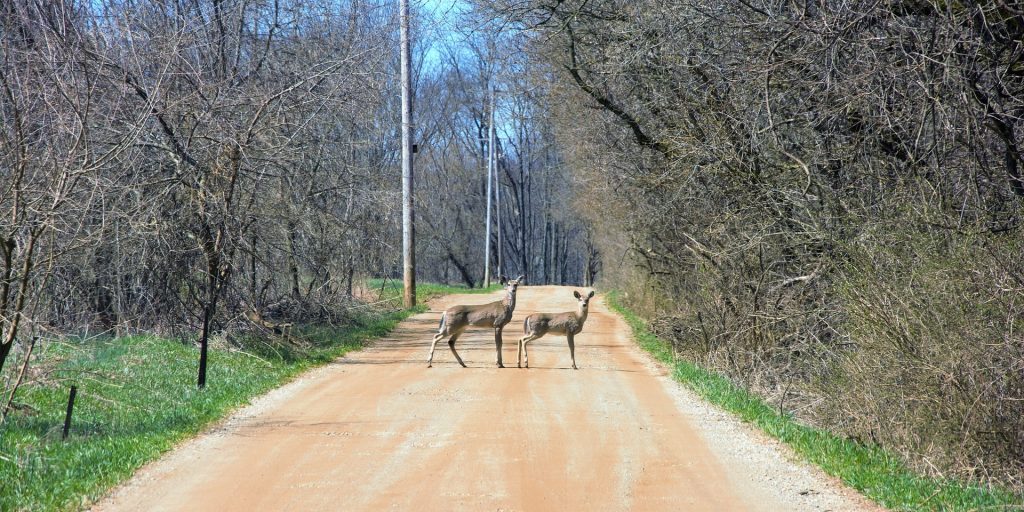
(137, 398)
(878, 474)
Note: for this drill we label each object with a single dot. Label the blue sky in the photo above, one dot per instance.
(444, 18)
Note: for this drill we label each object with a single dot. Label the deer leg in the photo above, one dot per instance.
(522, 348)
(572, 351)
(437, 337)
(497, 346)
(451, 345)
(519, 358)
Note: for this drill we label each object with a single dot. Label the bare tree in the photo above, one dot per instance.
(799, 173)
(52, 148)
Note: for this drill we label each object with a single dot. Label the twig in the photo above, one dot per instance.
(254, 356)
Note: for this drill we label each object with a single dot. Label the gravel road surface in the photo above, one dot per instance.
(378, 430)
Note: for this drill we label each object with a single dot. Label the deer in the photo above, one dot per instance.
(565, 324)
(456, 319)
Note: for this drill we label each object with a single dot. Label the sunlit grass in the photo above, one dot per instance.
(876, 473)
(391, 290)
(137, 398)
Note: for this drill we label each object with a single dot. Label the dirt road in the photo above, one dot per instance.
(379, 430)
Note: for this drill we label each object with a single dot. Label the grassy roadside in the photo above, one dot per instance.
(879, 475)
(137, 399)
(391, 290)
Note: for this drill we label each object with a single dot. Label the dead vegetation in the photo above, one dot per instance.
(822, 200)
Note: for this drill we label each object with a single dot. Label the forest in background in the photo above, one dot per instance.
(195, 167)
(821, 200)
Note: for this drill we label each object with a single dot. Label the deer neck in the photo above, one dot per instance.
(581, 314)
(509, 302)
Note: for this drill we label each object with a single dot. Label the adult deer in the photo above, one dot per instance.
(495, 315)
(565, 324)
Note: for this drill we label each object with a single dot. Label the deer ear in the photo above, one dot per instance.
(521, 277)
(576, 294)
(591, 294)
(502, 280)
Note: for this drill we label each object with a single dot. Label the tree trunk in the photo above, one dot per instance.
(209, 308)
(351, 276)
(253, 285)
(293, 266)
(5, 350)
(554, 256)
(467, 277)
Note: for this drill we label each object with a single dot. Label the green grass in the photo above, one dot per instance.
(392, 289)
(137, 398)
(879, 475)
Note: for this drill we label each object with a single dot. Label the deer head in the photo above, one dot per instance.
(511, 284)
(584, 300)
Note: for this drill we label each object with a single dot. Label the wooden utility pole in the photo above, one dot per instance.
(408, 229)
(490, 172)
(497, 181)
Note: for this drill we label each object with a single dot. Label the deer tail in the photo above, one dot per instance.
(440, 324)
(526, 325)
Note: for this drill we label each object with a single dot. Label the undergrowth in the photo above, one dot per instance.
(878, 474)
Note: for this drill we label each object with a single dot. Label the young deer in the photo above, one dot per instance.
(496, 314)
(566, 324)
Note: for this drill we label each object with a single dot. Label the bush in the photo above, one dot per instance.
(936, 368)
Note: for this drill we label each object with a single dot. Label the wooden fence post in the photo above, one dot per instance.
(67, 416)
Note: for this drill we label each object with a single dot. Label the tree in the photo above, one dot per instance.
(780, 179)
(53, 145)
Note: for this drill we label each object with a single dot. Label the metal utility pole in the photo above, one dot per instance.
(490, 172)
(408, 230)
